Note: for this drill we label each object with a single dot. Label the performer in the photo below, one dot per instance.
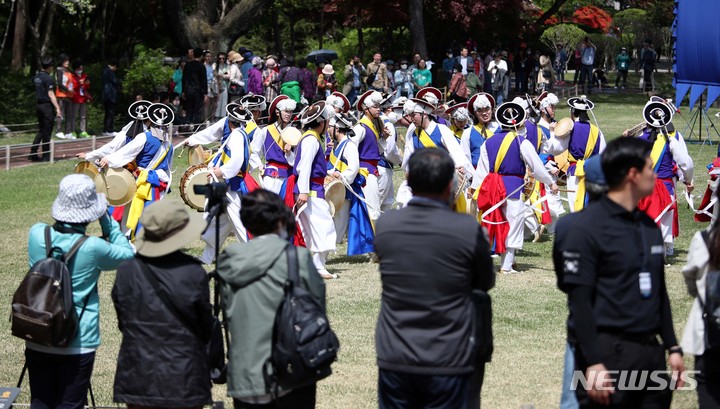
(312, 211)
(368, 134)
(670, 159)
(505, 158)
(149, 155)
(459, 119)
(230, 164)
(389, 156)
(353, 217)
(483, 107)
(547, 103)
(138, 112)
(339, 102)
(269, 152)
(584, 141)
(433, 96)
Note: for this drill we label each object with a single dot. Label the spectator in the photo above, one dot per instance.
(599, 78)
(577, 63)
(222, 76)
(416, 61)
(467, 62)
(290, 77)
(404, 81)
(545, 75)
(46, 101)
(162, 301)
(622, 64)
(270, 79)
(500, 81)
(247, 56)
(81, 84)
(109, 96)
(587, 61)
(560, 61)
(422, 77)
(178, 74)
(194, 87)
(326, 82)
(308, 80)
(211, 104)
(236, 83)
(354, 73)
(479, 67)
(473, 83)
(418, 306)
(255, 79)
(448, 65)
(647, 65)
(523, 68)
(64, 93)
(60, 377)
(253, 275)
(458, 91)
(390, 64)
(378, 69)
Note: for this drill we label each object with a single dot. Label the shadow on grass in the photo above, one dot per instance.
(342, 258)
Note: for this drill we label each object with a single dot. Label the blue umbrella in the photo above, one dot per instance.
(326, 55)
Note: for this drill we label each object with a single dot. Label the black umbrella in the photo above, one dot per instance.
(326, 55)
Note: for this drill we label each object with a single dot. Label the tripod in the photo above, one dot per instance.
(696, 120)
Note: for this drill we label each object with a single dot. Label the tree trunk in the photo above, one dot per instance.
(361, 39)
(417, 27)
(276, 31)
(552, 10)
(291, 21)
(18, 53)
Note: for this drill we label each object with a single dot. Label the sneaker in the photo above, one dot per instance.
(326, 275)
(84, 134)
(508, 272)
(34, 158)
(60, 135)
(70, 136)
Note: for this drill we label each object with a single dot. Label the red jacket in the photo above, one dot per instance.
(82, 90)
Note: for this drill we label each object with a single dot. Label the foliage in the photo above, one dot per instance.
(593, 17)
(607, 47)
(147, 72)
(633, 26)
(17, 97)
(567, 35)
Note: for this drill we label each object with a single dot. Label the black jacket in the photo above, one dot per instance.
(161, 361)
(194, 78)
(431, 259)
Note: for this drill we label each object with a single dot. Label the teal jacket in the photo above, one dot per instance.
(95, 255)
(253, 274)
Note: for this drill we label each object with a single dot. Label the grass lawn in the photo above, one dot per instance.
(529, 312)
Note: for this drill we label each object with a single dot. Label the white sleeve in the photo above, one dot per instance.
(257, 148)
(391, 150)
(116, 143)
(557, 146)
(310, 147)
(682, 158)
(483, 168)
(207, 135)
(409, 147)
(127, 153)
(465, 144)
(352, 156)
(453, 147)
(602, 143)
(533, 162)
(236, 145)
(359, 134)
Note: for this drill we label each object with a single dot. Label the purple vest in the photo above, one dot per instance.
(533, 135)
(318, 170)
(368, 148)
(578, 141)
(512, 168)
(273, 153)
(665, 167)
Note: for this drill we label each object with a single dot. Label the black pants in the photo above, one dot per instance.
(410, 391)
(108, 121)
(647, 78)
(59, 381)
(45, 115)
(193, 106)
(301, 398)
(708, 379)
(475, 386)
(623, 74)
(621, 353)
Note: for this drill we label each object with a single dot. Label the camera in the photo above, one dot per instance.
(215, 192)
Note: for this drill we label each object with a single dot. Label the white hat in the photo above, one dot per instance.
(287, 104)
(335, 102)
(522, 102)
(409, 107)
(369, 99)
(461, 114)
(481, 102)
(550, 99)
(78, 201)
(318, 111)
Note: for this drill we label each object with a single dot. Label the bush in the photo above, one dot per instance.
(146, 73)
(17, 97)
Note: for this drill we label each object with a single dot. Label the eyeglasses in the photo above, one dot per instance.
(221, 58)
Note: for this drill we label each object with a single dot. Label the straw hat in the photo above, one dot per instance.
(77, 201)
(234, 57)
(167, 227)
(118, 184)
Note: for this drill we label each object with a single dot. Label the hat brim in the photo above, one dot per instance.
(511, 115)
(120, 190)
(272, 117)
(455, 107)
(174, 242)
(580, 105)
(84, 215)
(359, 105)
(345, 100)
(653, 106)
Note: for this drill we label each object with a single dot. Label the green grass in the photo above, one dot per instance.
(529, 312)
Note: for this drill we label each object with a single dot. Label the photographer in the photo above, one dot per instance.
(354, 73)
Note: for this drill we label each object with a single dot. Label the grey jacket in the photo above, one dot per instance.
(253, 275)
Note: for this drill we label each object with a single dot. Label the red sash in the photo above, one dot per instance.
(660, 198)
(545, 217)
(298, 239)
(492, 191)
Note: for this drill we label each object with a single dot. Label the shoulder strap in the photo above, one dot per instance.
(292, 258)
(48, 242)
(74, 249)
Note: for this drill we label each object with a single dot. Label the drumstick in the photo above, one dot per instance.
(566, 190)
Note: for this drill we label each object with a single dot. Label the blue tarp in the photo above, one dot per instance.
(696, 50)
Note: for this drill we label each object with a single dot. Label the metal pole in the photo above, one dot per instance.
(7, 157)
(94, 142)
(52, 150)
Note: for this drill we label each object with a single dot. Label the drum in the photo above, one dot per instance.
(194, 175)
(562, 162)
(118, 184)
(400, 142)
(463, 182)
(291, 135)
(529, 186)
(334, 194)
(563, 128)
(87, 168)
(196, 155)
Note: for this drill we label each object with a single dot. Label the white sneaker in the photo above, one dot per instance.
(70, 136)
(60, 135)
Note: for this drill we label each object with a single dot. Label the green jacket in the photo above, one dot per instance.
(253, 275)
(473, 84)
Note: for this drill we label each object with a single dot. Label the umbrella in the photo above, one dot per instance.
(327, 55)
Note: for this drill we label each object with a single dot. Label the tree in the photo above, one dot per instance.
(213, 24)
(417, 27)
(593, 17)
(146, 73)
(567, 35)
(633, 26)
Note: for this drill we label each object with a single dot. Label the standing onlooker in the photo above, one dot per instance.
(236, 82)
(479, 67)
(326, 82)
(111, 87)
(255, 78)
(577, 62)
(458, 91)
(404, 81)
(545, 75)
(560, 61)
(247, 56)
(615, 278)
(290, 80)
(162, 301)
(448, 65)
(178, 74)
(253, 275)
(703, 257)
(212, 95)
(587, 61)
(308, 80)
(270, 79)
(390, 64)
(354, 73)
(466, 61)
(422, 77)
(194, 86)
(64, 93)
(499, 80)
(46, 102)
(473, 83)
(222, 75)
(82, 96)
(647, 64)
(622, 64)
(378, 69)
(419, 306)
(415, 62)
(60, 377)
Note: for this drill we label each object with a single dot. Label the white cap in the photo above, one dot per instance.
(373, 100)
(335, 101)
(481, 102)
(550, 99)
(287, 104)
(409, 107)
(461, 114)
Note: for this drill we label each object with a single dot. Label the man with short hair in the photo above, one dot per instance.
(647, 64)
(379, 70)
(420, 306)
(46, 101)
(613, 270)
(587, 60)
(195, 87)
(109, 96)
(354, 73)
(467, 62)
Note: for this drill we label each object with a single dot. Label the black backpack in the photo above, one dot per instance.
(303, 346)
(711, 306)
(43, 311)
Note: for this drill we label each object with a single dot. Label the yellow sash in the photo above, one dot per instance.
(580, 167)
(366, 121)
(143, 192)
(341, 166)
(502, 152)
(534, 197)
(275, 133)
(457, 132)
(659, 147)
(425, 139)
(484, 131)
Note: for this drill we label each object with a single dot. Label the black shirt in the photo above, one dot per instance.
(43, 83)
(194, 78)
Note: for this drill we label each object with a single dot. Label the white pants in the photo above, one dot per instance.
(514, 210)
(372, 197)
(404, 194)
(341, 220)
(272, 184)
(386, 188)
(572, 188)
(231, 218)
(318, 230)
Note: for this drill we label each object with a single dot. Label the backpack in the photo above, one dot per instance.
(43, 311)
(303, 345)
(711, 306)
